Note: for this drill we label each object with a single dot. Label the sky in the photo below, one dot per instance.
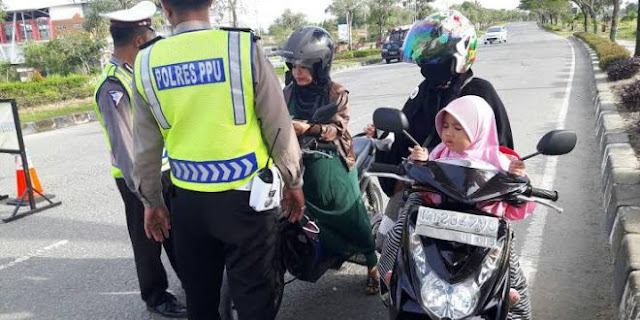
(261, 13)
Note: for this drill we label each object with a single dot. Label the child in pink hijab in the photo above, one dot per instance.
(467, 128)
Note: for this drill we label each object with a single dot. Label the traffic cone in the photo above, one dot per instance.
(22, 186)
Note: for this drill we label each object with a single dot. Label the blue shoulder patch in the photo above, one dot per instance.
(192, 73)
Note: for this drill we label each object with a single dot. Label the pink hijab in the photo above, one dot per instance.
(478, 121)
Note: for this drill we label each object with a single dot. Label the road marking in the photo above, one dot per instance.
(533, 242)
(120, 293)
(34, 254)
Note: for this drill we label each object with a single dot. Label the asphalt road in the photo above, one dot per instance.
(75, 261)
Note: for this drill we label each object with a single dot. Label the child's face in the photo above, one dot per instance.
(453, 135)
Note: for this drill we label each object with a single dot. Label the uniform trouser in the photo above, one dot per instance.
(218, 229)
(152, 277)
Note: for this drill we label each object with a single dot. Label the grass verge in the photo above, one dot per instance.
(608, 51)
(34, 114)
(42, 113)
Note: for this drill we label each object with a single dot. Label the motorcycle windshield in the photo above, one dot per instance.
(465, 181)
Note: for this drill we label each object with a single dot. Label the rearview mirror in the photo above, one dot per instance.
(391, 120)
(557, 142)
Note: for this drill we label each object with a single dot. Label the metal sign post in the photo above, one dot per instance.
(11, 142)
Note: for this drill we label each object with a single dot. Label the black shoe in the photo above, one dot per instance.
(171, 308)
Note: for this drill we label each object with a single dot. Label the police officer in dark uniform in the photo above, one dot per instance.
(131, 29)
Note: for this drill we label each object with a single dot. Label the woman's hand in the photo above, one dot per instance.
(419, 154)
(370, 131)
(517, 168)
(300, 127)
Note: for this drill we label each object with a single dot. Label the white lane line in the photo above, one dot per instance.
(120, 293)
(34, 254)
(530, 254)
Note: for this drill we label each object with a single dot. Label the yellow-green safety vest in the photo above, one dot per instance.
(111, 71)
(199, 86)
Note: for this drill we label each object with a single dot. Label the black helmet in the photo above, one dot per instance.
(310, 47)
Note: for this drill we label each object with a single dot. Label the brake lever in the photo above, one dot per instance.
(558, 210)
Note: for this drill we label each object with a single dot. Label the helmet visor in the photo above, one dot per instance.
(290, 58)
(426, 43)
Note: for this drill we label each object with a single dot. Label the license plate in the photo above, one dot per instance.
(475, 230)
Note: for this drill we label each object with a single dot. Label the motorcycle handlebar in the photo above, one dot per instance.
(544, 194)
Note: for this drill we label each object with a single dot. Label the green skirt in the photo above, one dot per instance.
(334, 201)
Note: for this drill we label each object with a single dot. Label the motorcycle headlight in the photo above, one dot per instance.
(490, 263)
(443, 299)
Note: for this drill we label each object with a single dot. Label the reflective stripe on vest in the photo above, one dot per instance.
(149, 92)
(199, 87)
(235, 75)
(215, 171)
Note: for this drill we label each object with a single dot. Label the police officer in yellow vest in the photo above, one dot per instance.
(212, 98)
(130, 29)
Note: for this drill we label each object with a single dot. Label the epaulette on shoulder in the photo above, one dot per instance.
(150, 42)
(255, 37)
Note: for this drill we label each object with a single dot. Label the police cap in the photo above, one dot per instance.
(137, 16)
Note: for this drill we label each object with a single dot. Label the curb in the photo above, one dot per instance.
(58, 122)
(620, 171)
(90, 116)
(357, 65)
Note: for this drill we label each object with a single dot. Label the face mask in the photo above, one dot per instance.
(438, 74)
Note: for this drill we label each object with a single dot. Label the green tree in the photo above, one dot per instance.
(614, 20)
(637, 53)
(287, 23)
(424, 8)
(3, 14)
(73, 53)
(47, 57)
(349, 9)
(379, 13)
(232, 7)
(98, 27)
(548, 11)
(82, 52)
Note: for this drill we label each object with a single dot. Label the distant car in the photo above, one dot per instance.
(392, 45)
(496, 34)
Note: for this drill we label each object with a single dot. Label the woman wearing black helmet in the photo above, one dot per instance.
(331, 188)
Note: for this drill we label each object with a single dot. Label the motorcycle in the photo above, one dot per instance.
(365, 149)
(453, 262)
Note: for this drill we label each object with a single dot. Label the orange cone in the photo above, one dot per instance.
(21, 179)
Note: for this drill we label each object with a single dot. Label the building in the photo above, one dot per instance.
(37, 20)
